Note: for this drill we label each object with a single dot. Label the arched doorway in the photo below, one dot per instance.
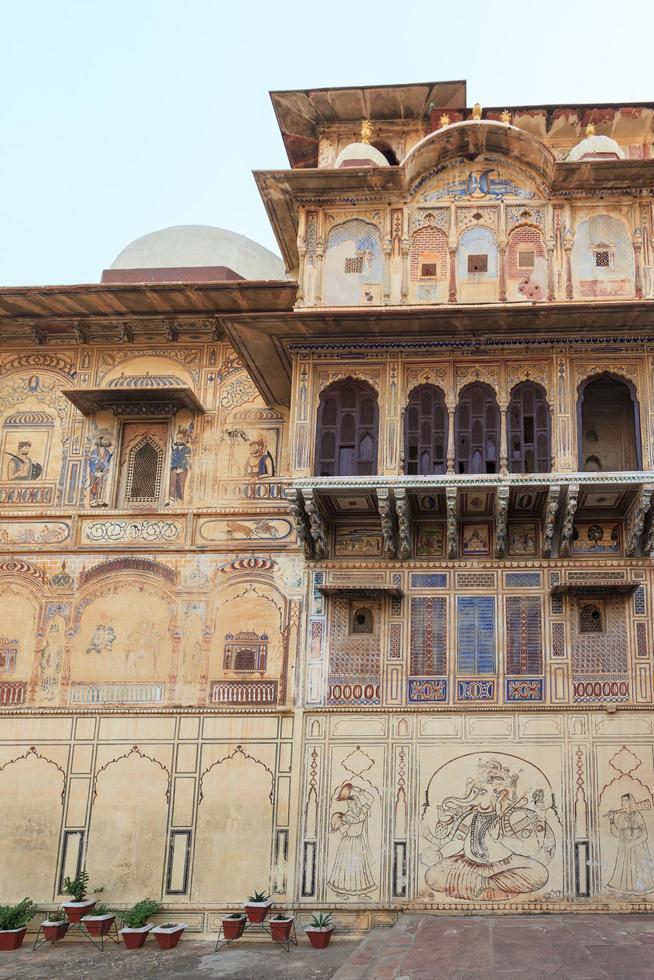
(477, 430)
(608, 425)
(347, 430)
(425, 432)
(529, 430)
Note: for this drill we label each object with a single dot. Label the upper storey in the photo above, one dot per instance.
(431, 203)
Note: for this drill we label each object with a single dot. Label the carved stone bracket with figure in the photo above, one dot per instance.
(450, 498)
(568, 520)
(403, 523)
(316, 525)
(501, 521)
(551, 514)
(636, 521)
(387, 522)
(305, 541)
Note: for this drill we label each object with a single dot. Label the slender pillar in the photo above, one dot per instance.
(451, 453)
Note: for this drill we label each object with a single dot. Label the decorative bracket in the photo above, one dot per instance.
(386, 515)
(637, 517)
(450, 499)
(403, 524)
(551, 514)
(316, 525)
(568, 520)
(501, 519)
(294, 497)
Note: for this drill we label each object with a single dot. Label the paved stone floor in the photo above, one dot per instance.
(419, 947)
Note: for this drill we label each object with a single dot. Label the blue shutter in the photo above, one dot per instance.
(476, 634)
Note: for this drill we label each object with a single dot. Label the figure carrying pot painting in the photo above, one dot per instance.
(493, 843)
(352, 871)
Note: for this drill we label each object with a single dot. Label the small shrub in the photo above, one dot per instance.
(56, 916)
(78, 887)
(138, 915)
(322, 920)
(235, 915)
(101, 909)
(17, 916)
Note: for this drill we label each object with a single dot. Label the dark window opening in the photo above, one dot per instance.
(425, 432)
(361, 621)
(347, 431)
(477, 430)
(602, 260)
(428, 270)
(591, 619)
(387, 152)
(608, 425)
(354, 265)
(529, 430)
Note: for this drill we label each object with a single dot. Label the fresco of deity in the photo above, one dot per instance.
(352, 870)
(259, 463)
(180, 463)
(633, 869)
(21, 465)
(99, 464)
(493, 843)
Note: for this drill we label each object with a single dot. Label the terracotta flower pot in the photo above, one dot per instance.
(12, 938)
(257, 911)
(280, 929)
(233, 928)
(134, 938)
(319, 938)
(76, 910)
(98, 925)
(52, 931)
(168, 937)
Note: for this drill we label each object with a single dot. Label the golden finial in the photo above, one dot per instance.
(505, 116)
(476, 111)
(590, 129)
(444, 120)
(366, 131)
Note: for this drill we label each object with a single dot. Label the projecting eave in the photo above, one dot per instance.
(267, 343)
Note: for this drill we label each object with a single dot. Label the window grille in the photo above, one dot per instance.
(524, 654)
(429, 270)
(144, 469)
(602, 260)
(591, 619)
(428, 635)
(526, 260)
(361, 621)
(354, 266)
(477, 264)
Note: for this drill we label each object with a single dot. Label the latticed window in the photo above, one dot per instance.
(347, 431)
(529, 430)
(526, 260)
(361, 620)
(602, 259)
(429, 270)
(591, 619)
(477, 264)
(143, 456)
(477, 428)
(524, 647)
(425, 432)
(354, 266)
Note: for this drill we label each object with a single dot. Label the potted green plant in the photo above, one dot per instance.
(13, 923)
(168, 934)
(78, 889)
(257, 906)
(99, 921)
(280, 927)
(54, 926)
(233, 925)
(320, 929)
(135, 922)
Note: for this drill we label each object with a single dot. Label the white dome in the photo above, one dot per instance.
(596, 148)
(199, 246)
(361, 155)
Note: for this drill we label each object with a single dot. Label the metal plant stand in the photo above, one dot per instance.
(221, 942)
(98, 941)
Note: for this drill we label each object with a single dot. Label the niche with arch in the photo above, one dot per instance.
(425, 432)
(602, 258)
(352, 268)
(347, 430)
(477, 266)
(477, 430)
(526, 265)
(608, 425)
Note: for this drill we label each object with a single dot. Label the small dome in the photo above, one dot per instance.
(198, 247)
(596, 148)
(360, 155)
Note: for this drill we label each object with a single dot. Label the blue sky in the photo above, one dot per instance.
(118, 118)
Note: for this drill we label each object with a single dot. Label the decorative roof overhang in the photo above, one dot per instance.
(359, 589)
(301, 113)
(595, 587)
(127, 401)
(87, 312)
(555, 500)
(267, 343)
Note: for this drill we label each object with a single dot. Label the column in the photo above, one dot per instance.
(451, 452)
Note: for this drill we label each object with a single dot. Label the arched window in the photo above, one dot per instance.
(608, 425)
(245, 660)
(387, 151)
(347, 432)
(361, 620)
(425, 432)
(529, 430)
(591, 619)
(477, 430)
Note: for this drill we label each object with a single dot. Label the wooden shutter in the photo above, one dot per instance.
(476, 634)
(524, 635)
(428, 635)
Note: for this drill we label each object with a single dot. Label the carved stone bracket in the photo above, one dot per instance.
(317, 525)
(301, 520)
(501, 519)
(648, 537)
(568, 520)
(403, 524)
(387, 522)
(551, 514)
(636, 521)
(450, 497)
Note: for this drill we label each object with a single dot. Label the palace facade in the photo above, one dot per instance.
(332, 576)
